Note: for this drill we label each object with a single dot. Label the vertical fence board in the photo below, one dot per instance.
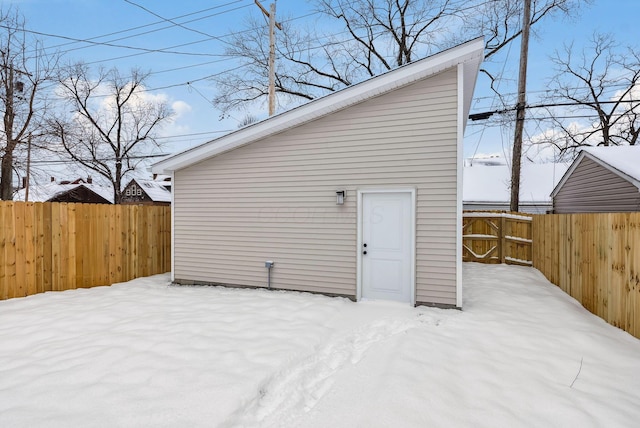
(20, 289)
(38, 218)
(577, 235)
(64, 248)
(92, 269)
(10, 251)
(112, 247)
(4, 243)
(47, 249)
(632, 319)
(30, 248)
(103, 245)
(55, 247)
(72, 241)
(617, 302)
(133, 242)
(124, 239)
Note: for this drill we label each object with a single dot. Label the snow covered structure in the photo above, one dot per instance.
(147, 192)
(357, 194)
(84, 191)
(488, 187)
(601, 179)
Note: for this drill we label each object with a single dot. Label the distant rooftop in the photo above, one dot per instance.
(483, 183)
(45, 192)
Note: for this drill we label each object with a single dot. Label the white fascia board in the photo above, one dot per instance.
(471, 52)
(567, 174)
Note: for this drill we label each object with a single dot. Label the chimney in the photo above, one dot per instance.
(24, 182)
(89, 179)
(53, 179)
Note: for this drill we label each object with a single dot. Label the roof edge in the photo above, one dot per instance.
(591, 156)
(469, 52)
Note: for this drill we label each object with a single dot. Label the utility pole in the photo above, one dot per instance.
(520, 106)
(272, 53)
(7, 159)
(26, 181)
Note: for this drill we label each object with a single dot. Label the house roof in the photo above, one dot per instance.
(491, 184)
(46, 192)
(469, 55)
(623, 161)
(155, 190)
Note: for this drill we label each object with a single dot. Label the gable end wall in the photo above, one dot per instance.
(593, 188)
(275, 199)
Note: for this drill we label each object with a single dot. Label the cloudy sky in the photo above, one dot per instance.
(182, 59)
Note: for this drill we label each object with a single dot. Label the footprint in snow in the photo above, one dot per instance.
(302, 384)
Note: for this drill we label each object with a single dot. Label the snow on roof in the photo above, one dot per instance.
(621, 160)
(625, 159)
(156, 190)
(46, 192)
(483, 183)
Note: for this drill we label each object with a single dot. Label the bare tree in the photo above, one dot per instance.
(598, 90)
(247, 120)
(112, 125)
(23, 70)
(373, 36)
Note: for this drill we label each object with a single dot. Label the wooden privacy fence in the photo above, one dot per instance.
(595, 258)
(59, 246)
(496, 237)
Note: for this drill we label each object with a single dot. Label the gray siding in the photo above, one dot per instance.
(275, 199)
(593, 188)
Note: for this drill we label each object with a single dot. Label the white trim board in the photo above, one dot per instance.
(471, 54)
(459, 184)
(576, 163)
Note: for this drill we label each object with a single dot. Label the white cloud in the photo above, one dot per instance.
(180, 108)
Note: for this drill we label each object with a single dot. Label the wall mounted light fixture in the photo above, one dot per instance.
(341, 195)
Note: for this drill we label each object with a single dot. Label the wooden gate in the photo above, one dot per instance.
(497, 237)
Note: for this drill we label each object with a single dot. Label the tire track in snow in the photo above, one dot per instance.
(298, 387)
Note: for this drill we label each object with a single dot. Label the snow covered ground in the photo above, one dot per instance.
(147, 354)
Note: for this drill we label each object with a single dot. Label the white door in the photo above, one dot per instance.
(387, 246)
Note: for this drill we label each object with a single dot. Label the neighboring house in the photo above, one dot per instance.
(147, 192)
(79, 191)
(489, 187)
(601, 179)
(357, 194)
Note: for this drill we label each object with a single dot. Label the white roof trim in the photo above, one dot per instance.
(581, 156)
(471, 54)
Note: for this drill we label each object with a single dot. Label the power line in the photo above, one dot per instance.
(226, 56)
(488, 114)
(89, 39)
(177, 23)
(108, 44)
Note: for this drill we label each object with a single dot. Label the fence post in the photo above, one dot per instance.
(502, 243)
